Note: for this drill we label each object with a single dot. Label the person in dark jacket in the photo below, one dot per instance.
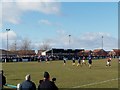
(27, 84)
(90, 61)
(46, 84)
(2, 79)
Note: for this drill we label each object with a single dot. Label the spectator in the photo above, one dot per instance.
(3, 79)
(27, 84)
(46, 84)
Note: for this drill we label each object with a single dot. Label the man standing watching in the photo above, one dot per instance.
(46, 84)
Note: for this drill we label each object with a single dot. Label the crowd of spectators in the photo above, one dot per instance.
(28, 84)
(44, 84)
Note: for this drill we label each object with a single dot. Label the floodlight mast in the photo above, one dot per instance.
(69, 40)
(102, 47)
(102, 42)
(7, 43)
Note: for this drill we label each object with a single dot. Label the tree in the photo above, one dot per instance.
(13, 46)
(45, 45)
(25, 47)
(25, 44)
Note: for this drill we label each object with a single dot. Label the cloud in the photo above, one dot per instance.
(92, 40)
(50, 23)
(88, 40)
(0, 15)
(46, 22)
(90, 0)
(44, 7)
(66, 1)
(12, 11)
(11, 35)
(62, 32)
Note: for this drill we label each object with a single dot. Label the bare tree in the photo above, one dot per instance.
(13, 46)
(25, 47)
(45, 45)
(25, 44)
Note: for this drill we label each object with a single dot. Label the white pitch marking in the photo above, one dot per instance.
(96, 83)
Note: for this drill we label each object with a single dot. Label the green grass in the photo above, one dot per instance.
(67, 76)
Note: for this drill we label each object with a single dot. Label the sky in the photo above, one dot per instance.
(53, 22)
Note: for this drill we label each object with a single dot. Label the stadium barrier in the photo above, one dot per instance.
(11, 86)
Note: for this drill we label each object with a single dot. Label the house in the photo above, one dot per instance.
(99, 52)
(111, 53)
(5, 53)
(40, 52)
(87, 52)
(117, 52)
(25, 53)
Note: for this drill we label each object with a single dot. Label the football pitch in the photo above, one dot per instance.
(68, 76)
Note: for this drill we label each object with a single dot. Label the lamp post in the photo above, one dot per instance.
(102, 46)
(15, 46)
(69, 45)
(69, 40)
(102, 42)
(7, 43)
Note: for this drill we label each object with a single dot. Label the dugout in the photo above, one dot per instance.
(68, 53)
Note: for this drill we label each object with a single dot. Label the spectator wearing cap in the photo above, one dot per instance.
(27, 84)
(2, 79)
(46, 84)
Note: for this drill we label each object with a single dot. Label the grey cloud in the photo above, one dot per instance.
(17, 9)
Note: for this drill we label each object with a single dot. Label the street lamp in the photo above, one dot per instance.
(15, 46)
(69, 40)
(7, 42)
(102, 47)
(102, 42)
(69, 45)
